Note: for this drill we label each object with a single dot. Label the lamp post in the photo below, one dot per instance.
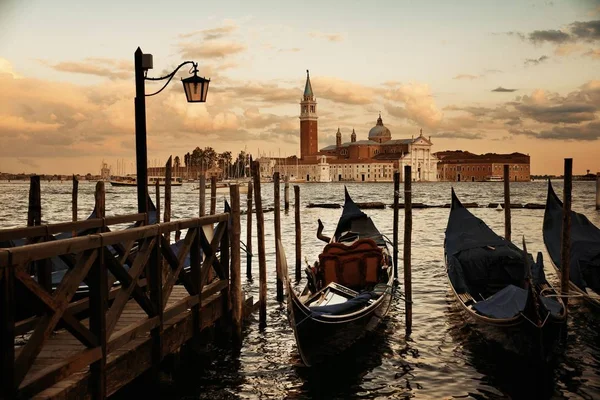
(196, 89)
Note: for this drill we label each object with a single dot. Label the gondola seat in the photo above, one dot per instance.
(354, 266)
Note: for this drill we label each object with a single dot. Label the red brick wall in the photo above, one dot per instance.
(309, 140)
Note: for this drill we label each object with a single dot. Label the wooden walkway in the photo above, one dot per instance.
(143, 299)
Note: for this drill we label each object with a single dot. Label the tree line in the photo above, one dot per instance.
(208, 158)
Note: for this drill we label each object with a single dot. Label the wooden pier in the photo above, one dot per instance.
(138, 301)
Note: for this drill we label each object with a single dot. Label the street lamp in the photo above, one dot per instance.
(196, 89)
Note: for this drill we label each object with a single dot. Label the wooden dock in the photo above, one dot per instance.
(141, 301)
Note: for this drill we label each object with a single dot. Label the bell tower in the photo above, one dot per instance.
(309, 133)
(338, 138)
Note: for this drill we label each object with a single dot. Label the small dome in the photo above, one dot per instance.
(379, 132)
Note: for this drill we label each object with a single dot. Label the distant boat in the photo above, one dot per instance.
(131, 180)
(494, 178)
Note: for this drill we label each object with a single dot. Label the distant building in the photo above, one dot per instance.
(457, 166)
(372, 160)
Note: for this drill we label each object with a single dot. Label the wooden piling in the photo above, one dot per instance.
(235, 275)
(8, 386)
(396, 218)
(286, 194)
(407, 246)
(249, 233)
(298, 233)
(100, 200)
(167, 216)
(277, 221)
(507, 224)
(202, 195)
(74, 197)
(43, 268)
(598, 191)
(213, 195)
(98, 295)
(565, 253)
(157, 201)
(260, 233)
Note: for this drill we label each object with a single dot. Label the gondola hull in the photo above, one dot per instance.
(320, 337)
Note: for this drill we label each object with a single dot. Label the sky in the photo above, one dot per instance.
(481, 76)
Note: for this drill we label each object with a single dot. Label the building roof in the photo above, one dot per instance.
(458, 156)
(308, 88)
(397, 141)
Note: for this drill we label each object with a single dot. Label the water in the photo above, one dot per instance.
(444, 357)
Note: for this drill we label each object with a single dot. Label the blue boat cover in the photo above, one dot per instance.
(507, 303)
(345, 307)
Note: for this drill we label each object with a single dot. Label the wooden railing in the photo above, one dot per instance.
(135, 263)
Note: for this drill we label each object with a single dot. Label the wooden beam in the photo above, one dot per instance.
(172, 261)
(213, 195)
(174, 275)
(236, 278)
(249, 233)
(298, 226)
(260, 233)
(7, 333)
(277, 222)
(74, 202)
(98, 315)
(126, 335)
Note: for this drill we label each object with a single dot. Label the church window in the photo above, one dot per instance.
(312, 109)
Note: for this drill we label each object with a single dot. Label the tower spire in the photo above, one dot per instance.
(308, 93)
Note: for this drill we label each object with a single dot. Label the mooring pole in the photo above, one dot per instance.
(202, 195)
(260, 233)
(168, 191)
(249, 233)
(74, 197)
(286, 194)
(277, 205)
(396, 218)
(298, 233)
(407, 246)
(213, 195)
(34, 218)
(565, 253)
(598, 191)
(507, 225)
(235, 274)
(157, 193)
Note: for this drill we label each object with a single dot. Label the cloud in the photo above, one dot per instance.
(467, 76)
(290, 50)
(586, 31)
(535, 61)
(211, 33)
(418, 104)
(211, 49)
(28, 162)
(332, 37)
(500, 89)
(458, 135)
(103, 67)
(550, 35)
(586, 132)
(6, 69)
(563, 113)
(342, 91)
(594, 53)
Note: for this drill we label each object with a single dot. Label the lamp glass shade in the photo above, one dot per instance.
(196, 88)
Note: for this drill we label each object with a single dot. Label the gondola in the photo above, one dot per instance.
(585, 248)
(494, 281)
(348, 290)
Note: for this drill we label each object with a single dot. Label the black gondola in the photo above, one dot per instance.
(349, 289)
(494, 281)
(584, 268)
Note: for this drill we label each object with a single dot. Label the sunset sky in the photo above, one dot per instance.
(483, 76)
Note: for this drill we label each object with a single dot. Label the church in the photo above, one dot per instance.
(374, 159)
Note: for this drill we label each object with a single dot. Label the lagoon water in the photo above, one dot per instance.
(445, 357)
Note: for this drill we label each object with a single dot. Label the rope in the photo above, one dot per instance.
(564, 296)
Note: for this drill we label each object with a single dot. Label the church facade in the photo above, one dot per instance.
(374, 159)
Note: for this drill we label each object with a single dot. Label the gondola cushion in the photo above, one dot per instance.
(353, 266)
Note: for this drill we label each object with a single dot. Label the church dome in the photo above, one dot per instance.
(379, 132)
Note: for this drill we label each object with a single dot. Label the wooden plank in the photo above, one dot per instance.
(277, 224)
(112, 238)
(210, 250)
(98, 306)
(131, 332)
(236, 263)
(7, 334)
(214, 287)
(62, 296)
(180, 306)
(172, 261)
(39, 251)
(260, 233)
(60, 370)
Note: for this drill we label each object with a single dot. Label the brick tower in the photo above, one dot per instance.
(309, 133)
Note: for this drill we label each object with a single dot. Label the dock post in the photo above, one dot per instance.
(98, 285)
(598, 191)
(157, 190)
(565, 253)
(286, 194)
(213, 195)
(100, 200)
(7, 334)
(249, 233)
(43, 268)
(236, 280)
(298, 233)
(202, 195)
(167, 212)
(74, 197)
(407, 246)
(507, 224)
(260, 233)
(277, 211)
(396, 218)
